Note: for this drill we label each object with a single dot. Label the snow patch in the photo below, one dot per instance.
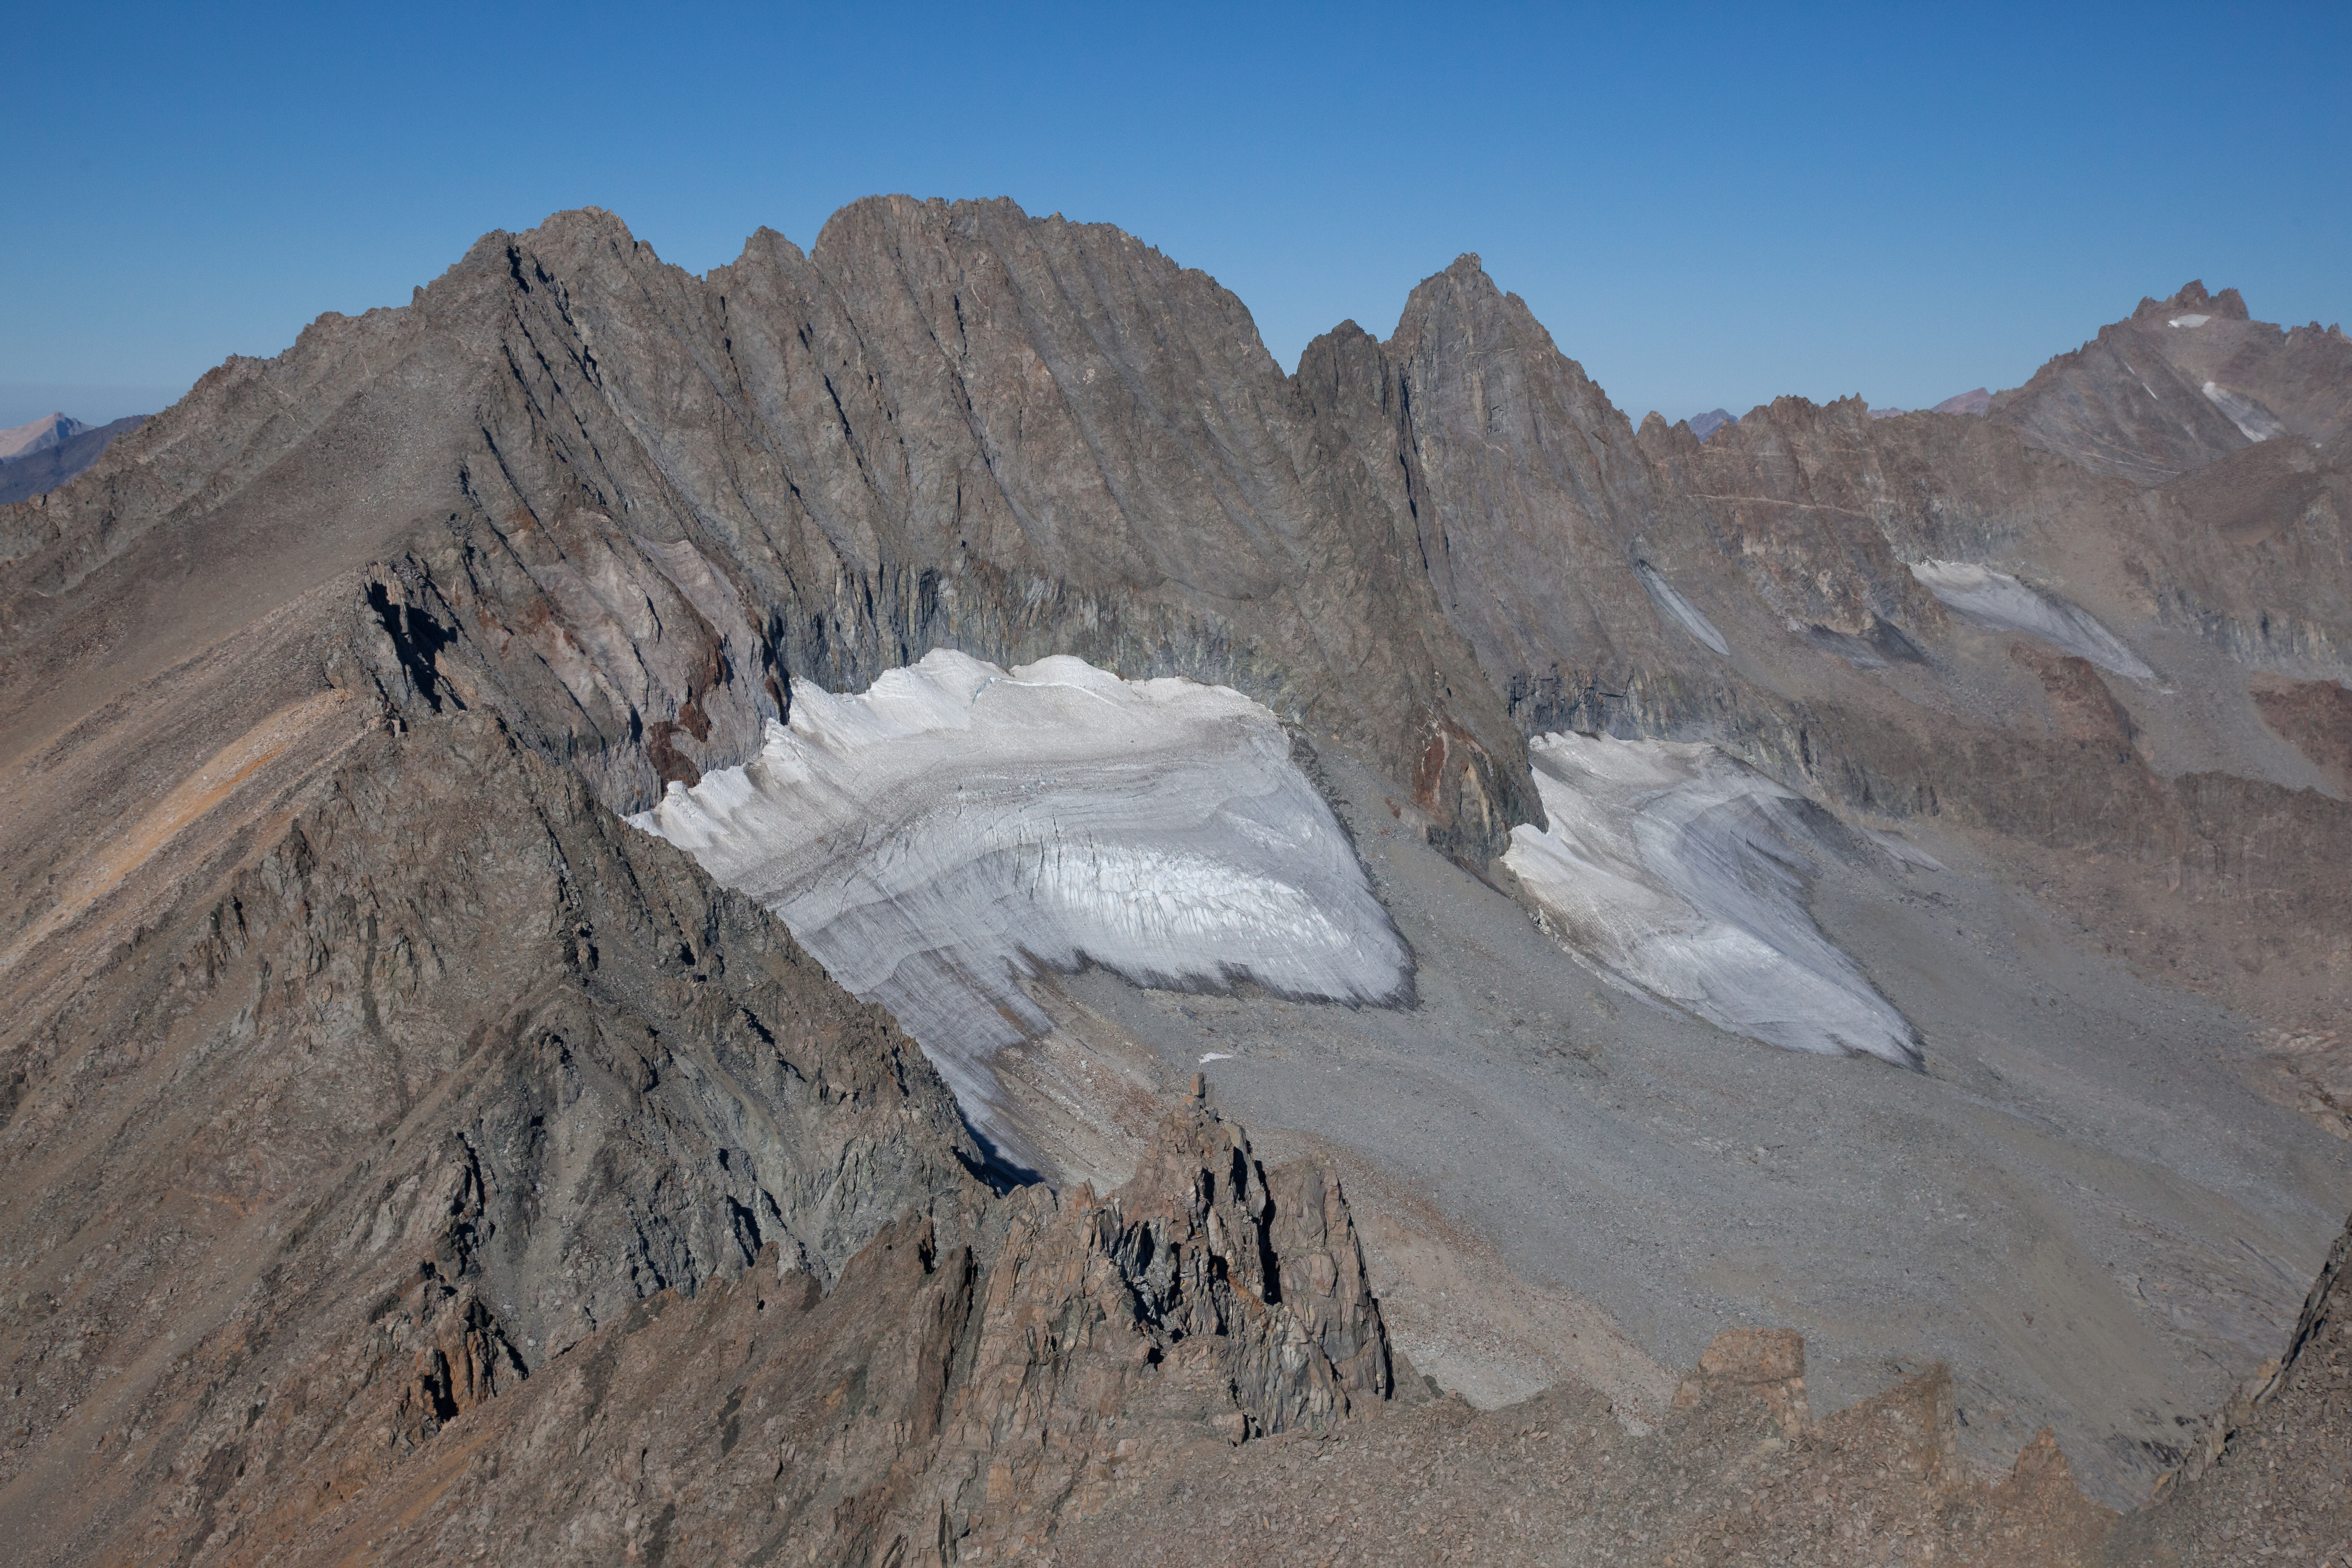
(2253, 421)
(1662, 593)
(1677, 870)
(1216, 1056)
(2188, 320)
(936, 840)
(2000, 601)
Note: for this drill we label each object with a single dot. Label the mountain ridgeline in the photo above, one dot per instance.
(397, 1145)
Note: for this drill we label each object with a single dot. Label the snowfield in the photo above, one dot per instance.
(1674, 870)
(2000, 601)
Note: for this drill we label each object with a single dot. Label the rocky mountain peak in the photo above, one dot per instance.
(2192, 298)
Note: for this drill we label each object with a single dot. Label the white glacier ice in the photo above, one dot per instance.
(2000, 601)
(2253, 421)
(2188, 320)
(1674, 868)
(935, 840)
(1662, 593)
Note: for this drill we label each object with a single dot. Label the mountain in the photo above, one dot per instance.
(45, 468)
(1708, 424)
(2182, 381)
(1975, 401)
(38, 436)
(401, 1146)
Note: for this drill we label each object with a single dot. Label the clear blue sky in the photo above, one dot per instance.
(1706, 204)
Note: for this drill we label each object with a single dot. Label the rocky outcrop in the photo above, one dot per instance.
(455, 1071)
(1739, 1472)
(944, 1400)
(2266, 1477)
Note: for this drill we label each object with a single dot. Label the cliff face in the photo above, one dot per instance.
(394, 1147)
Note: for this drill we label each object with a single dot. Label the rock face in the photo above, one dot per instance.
(627, 507)
(453, 1070)
(2268, 1475)
(398, 1152)
(46, 466)
(969, 1383)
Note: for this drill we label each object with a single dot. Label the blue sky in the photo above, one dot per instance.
(1706, 205)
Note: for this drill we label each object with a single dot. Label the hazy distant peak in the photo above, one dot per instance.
(1708, 424)
(49, 430)
(1975, 401)
(45, 468)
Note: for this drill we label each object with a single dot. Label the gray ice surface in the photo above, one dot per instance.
(1679, 871)
(2000, 601)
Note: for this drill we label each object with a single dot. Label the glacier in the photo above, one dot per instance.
(936, 840)
(1997, 600)
(1676, 869)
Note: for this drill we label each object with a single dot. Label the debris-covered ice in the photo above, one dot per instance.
(2000, 601)
(1674, 868)
(935, 839)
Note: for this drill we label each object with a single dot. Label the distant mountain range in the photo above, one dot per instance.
(41, 456)
(1705, 425)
